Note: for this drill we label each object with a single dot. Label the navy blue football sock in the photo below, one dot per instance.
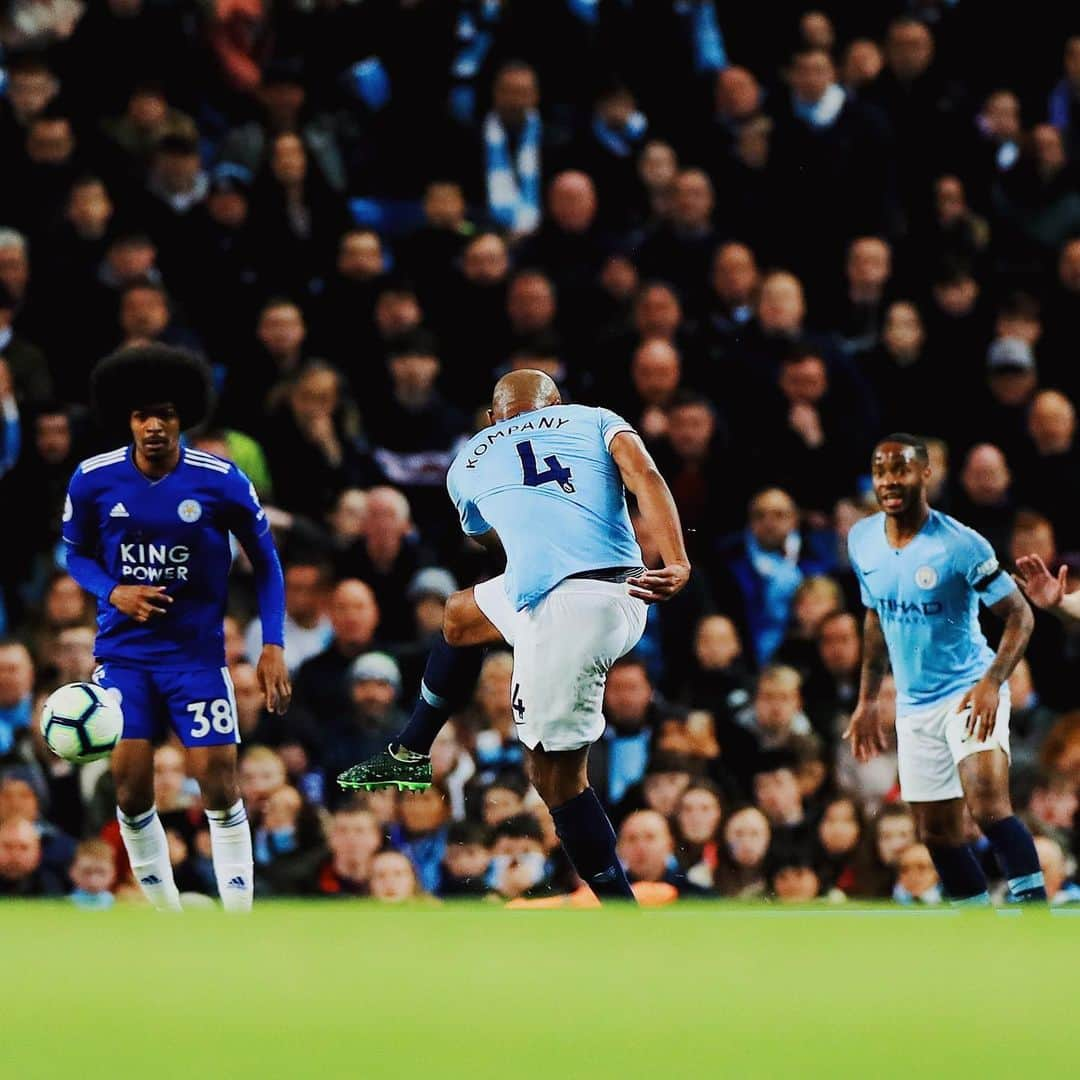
(961, 875)
(589, 840)
(449, 679)
(1019, 859)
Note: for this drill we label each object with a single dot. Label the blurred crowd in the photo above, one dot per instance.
(766, 235)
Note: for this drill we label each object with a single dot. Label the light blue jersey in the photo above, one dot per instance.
(545, 481)
(927, 597)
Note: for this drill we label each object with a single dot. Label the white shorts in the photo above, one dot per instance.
(563, 650)
(931, 743)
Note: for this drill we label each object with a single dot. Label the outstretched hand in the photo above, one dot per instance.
(273, 678)
(1038, 584)
(866, 732)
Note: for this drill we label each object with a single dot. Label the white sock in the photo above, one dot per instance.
(230, 844)
(148, 853)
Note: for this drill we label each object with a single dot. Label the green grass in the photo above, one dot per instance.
(330, 990)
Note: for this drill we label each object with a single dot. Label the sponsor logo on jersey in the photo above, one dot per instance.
(190, 510)
(926, 577)
(119, 510)
(154, 562)
(896, 609)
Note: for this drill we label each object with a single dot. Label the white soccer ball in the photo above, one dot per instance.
(82, 722)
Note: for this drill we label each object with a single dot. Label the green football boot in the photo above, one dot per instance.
(384, 770)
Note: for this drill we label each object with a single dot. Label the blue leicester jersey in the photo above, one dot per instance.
(546, 482)
(172, 532)
(927, 597)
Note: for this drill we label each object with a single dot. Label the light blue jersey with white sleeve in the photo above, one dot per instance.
(927, 596)
(546, 482)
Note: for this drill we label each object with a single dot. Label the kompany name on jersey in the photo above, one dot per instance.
(490, 437)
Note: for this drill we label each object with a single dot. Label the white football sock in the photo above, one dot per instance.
(148, 852)
(230, 844)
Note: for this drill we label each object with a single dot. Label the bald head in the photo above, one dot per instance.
(523, 391)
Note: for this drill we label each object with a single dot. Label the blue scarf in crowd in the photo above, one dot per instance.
(475, 33)
(513, 187)
(705, 36)
(624, 141)
(780, 575)
(825, 110)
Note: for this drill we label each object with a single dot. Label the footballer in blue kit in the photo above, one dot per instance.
(546, 483)
(147, 528)
(923, 577)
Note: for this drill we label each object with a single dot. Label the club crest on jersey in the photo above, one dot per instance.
(926, 577)
(189, 510)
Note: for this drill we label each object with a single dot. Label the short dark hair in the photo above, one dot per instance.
(904, 439)
(685, 399)
(519, 827)
(145, 375)
(542, 345)
(415, 342)
(468, 832)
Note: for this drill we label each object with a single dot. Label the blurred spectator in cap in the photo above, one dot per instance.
(374, 685)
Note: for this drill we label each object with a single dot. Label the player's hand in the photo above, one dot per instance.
(982, 700)
(656, 585)
(1038, 584)
(141, 602)
(6, 385)
(866, 732)
(273, 678)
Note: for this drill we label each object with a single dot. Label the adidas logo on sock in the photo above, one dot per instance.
(236, 883)
(150, 879)
(119, 510)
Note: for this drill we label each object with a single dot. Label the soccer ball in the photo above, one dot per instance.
(82, 722)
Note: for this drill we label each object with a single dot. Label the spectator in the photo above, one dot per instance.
(25, 366)
(519, 862)
(916, 879)
(354, 839)
(741, 873)
(288, 844)
(984, 502)
(93, 873)
(776, 713)
(777, 796)
(831, 688)
(466, 860)
(839, 835)
(697, 820)
(21, 869)
(647, 850)
(321, 686)
(495, 745)
(308, 629)
(794, 879)
(892, 834)
(815, 600)
(422, 835)
(16, 693)
(765, 567)
(1059, 888)
(373, 715)
(393, 878)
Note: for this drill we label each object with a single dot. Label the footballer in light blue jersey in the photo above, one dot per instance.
(546, 482)
(147, 528)
(923, 576)
(927, 596)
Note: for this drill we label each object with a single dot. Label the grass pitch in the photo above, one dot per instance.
(351, 990)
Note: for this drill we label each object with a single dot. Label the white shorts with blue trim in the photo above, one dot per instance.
(564, 647)
(931, 743)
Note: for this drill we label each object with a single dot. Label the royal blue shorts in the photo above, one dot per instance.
(198, 703)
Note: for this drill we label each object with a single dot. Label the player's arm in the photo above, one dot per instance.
(80, 531)
(251, 528)
(491, 543)
(983, 697)
(866, 729)
(641, 476)
(1046, 591)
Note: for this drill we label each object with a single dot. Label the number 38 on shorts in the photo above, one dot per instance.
(197, 703)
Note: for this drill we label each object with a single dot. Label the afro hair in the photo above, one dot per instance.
(143, 375)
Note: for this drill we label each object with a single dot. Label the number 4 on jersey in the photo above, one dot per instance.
(556, 472)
